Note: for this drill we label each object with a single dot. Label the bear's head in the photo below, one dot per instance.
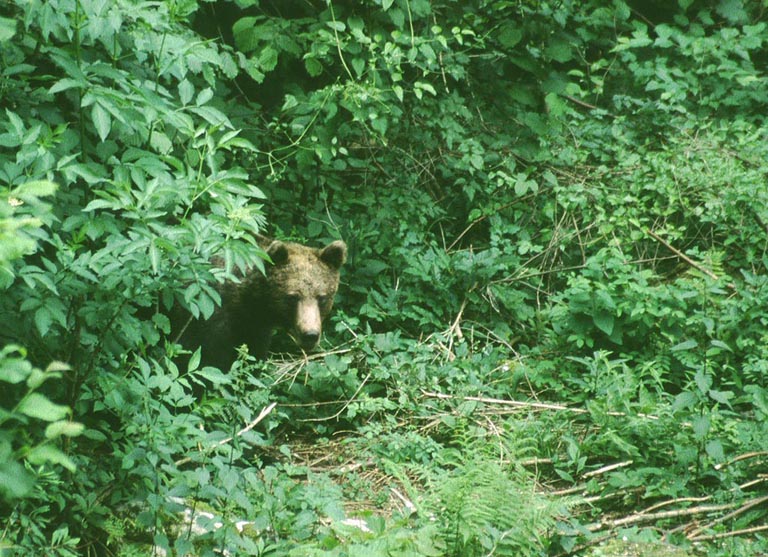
(303, 282)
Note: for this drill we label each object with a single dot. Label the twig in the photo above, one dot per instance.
(346, 404)
(744, 456)
(730, 534)
(504, 402)
(668, 502)
(607, 468)
(584, 104)
(521, 404)
(744, 508)
(685, 258)
(639, 517)
(681, 255)
(263, 414)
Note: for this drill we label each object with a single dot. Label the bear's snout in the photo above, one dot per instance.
(308, 324)
(309, 339)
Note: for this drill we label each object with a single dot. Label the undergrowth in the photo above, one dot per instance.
(550, 335)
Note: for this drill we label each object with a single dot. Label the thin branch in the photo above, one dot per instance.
(685, 258)
(731, 534)
(346, 404)
(521, 404)
(744, 508)
(756, 454)
(264, 413)
(650, 517)
(607, 468)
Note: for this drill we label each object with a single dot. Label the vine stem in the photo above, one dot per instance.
(263, 414)
(79, 60)
(338, 42)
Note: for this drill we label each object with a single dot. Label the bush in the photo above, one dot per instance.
(555, 284)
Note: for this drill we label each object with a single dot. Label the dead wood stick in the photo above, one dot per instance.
(607, 468)
(730, 534)
(639, 517)
(669, 502)
(504, 402)
(756, 454)
(521, 404)
(744, 508)
(263, 414)
(681, 255)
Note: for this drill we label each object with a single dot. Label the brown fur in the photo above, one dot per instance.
(295, 294)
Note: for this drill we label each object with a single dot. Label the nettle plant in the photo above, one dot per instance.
(124, 120)
(116, 104)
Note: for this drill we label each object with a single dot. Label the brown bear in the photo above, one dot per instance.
(295, 293)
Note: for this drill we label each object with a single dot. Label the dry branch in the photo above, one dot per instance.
(731, 534)
(522, 404)
(664, 515)
(263, 414)
(744, 508)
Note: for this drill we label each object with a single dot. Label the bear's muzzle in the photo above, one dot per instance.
(309, 325)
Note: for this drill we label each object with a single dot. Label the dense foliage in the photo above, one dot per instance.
(552, 325)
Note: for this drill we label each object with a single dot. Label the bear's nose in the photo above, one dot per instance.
(309, 339)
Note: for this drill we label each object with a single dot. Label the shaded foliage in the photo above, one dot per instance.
(562, 201)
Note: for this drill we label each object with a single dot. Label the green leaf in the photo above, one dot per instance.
(14, 479)
(65, 428)
(248, 33)
(36, 188)
(204, 96)
(604, 321)
(15, 370)
(686, 345)
(64, 84)
(510, 34)
(186, 91)
(7, 29)
(715, 450)
(38, 406)
(101, 120)
(421, 85)
(313, 66)
(194, 360)
(386, 4)
(214, 375)
(43, 454)
(723, 397)
(43, 320)
(358, 64)
(684, 400)
(701, 426)
(99, 204)
(721, 344)
(703, 381)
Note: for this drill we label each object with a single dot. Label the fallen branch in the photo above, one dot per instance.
(681, 255)
(607, 468)
(685, 258)
(650, 517)
(346, 404)
(744, 508)
(263, 414)
(521, 404)
(745, 456)
(730, 534)
(504, 402)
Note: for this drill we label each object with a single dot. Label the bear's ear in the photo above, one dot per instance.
(278, 252)
(334, 254)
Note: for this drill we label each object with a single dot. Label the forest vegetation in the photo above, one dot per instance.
(551, 336)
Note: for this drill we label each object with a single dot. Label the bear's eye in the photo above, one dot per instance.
(322, 300)
(292, 299)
